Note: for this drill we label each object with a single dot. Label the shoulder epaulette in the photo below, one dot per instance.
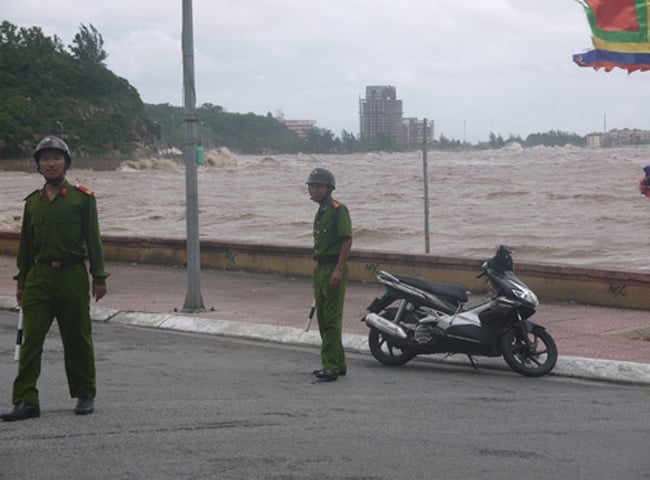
(34, 192)
(87, 191)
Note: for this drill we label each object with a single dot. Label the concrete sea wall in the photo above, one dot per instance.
(612, 288)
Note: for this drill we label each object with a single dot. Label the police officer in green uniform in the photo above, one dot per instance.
(332, 244)
(59, 230)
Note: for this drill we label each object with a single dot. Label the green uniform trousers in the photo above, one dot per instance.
(62, 293)
(329, 312)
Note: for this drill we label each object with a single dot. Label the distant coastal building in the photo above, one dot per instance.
(618, 138)
(595, 140)
(413, 131)
(301, 127)
(380, 114)
(627, 136)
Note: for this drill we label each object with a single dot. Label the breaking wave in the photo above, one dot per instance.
(221, 157)
(150, 164)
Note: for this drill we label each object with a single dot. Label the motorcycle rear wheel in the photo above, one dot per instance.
(534, 361)
(385, 348)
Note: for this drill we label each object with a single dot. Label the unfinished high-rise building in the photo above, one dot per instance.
(380, 114)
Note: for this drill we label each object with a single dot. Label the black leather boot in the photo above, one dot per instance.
(85, 405)
(21, 411)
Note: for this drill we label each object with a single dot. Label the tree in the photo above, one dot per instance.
(321, 140)
(349, 142)
(496, 141)
(208, 107)
(448, 144)
(554, 138)
(45, 87)
(88, 46)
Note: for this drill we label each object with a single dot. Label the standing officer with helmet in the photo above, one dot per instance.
(59, 230)
(332, 244)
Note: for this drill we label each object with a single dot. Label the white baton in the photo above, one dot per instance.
(19, 334)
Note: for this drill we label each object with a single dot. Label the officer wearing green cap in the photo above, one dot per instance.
(59, 231)
(332, 244)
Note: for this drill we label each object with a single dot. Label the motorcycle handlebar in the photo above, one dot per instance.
(482, 274)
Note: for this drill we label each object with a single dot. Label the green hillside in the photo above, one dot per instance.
(47, 89)
(246, 133)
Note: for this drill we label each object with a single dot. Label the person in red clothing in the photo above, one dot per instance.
(644, 183)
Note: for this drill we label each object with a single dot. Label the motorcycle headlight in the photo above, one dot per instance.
(526, 296)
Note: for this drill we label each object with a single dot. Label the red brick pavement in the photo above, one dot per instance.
(579, 330)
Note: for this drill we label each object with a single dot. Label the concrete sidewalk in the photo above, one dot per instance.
(594, 342)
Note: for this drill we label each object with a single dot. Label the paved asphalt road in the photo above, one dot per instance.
(187, 406)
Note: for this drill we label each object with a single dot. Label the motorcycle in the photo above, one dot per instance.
(416, 316)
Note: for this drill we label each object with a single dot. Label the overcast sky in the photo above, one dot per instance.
(472, 66)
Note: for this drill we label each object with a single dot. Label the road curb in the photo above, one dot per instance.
(567, 366)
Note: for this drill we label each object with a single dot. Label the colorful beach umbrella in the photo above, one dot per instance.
(619, 35)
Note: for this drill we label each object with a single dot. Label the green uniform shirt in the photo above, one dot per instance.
(65, 228)
(331, 226)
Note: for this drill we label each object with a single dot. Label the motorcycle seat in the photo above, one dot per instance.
(449, 290)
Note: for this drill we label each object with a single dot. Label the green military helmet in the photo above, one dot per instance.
(323, 177)
(53, 143)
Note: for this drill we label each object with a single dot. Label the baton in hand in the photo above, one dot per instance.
(310, 317)
(19, 334)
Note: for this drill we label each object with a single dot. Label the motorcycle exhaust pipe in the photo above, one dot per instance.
(385, 326)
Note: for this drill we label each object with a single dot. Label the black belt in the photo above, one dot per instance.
(68, 262)
(330, 260)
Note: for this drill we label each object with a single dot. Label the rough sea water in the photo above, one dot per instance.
(567, 206)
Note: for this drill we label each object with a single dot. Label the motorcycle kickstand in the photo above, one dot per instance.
(471, 360)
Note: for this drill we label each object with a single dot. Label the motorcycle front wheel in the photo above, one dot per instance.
(533, 359)
(385, 348)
